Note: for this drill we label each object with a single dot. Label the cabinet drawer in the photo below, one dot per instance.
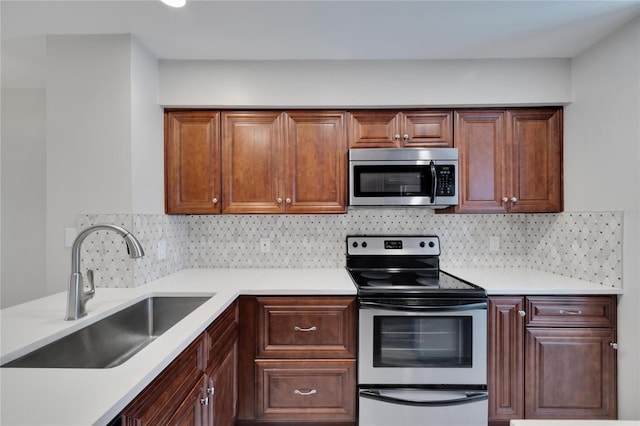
(573, 311)
(313, 327)
(305, 390)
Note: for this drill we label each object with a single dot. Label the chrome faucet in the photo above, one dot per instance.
(76, 295)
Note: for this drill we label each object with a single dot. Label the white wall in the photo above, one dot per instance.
(147, 133)
(602, 135)
(365, 83)
(23, 171)
(89, 132)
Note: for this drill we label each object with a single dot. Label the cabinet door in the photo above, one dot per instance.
(191, 411)
(480, 139)
(374, 129)
(505, 379)
(223, 389)
(427, 129)
(252, 162)
(316, 154)
(192, 162)
(535, 139)
(570, 373)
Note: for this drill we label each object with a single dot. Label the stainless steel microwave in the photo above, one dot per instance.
(403, 177)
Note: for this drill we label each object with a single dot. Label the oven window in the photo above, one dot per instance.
(422, 341)
(392, 181)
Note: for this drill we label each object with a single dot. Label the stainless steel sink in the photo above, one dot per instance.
(114, 339)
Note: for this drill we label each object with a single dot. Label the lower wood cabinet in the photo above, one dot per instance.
(199, 387)
(297, 360)
(552, 357)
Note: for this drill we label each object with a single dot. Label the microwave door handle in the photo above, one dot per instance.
(434, 181)
(468, 398)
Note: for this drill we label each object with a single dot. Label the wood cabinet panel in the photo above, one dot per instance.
(252, 162)
(535, 137)
(222, 387)
(298, 390)
(395, 129)
(510, 160)
(480, 139)
(192, 162)
(316, 155)
(167, 394)
(548, 364)
(591, 311)
(191, 410)
(373, 129)
(570, 373)
(310, 327)
(427, 129)
(506, 358)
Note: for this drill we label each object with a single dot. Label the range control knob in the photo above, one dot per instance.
(364, 244)
(432, 244)
(422, 244)
(355, 244)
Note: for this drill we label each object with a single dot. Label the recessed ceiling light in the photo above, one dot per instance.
(174, 3)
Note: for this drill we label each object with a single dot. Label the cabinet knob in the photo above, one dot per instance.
(514, 199)
(505, 199)
(614, 345)
(214, 201)
(522, 313)
(305, 393)
(288, 200)
(211, 390)
(397, 137)
(405, 137)
(204, 401)
(279, 200)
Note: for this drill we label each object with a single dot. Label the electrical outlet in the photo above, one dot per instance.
(494, 244)
(162, 249)
(265, 245)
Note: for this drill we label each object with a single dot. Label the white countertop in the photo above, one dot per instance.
(517, 281)
(539, 422)
(95, 396)
(49, 396)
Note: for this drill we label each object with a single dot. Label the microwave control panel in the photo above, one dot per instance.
(446, 180)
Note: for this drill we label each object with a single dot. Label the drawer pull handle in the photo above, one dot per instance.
(299, 392)
(565, 312)
(313, 328)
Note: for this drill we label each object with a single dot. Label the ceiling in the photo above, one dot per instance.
(340, 30)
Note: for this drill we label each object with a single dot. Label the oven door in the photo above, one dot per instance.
(422, 344)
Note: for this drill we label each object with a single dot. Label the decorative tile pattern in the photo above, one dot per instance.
(580, 245)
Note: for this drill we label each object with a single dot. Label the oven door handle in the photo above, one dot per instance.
(467, 398)
(365, 304)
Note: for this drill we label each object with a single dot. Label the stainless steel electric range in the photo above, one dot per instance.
(422, 354)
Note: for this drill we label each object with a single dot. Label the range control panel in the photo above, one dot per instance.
(386, 245)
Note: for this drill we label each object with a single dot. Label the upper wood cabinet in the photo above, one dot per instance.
(253, 162)
(315, 166)
(393, 129)
(267, 161)
(192, 162)
(510, 160)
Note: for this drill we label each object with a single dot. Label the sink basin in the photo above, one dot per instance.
(114, 339)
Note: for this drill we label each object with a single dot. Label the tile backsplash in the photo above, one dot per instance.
(581, 245)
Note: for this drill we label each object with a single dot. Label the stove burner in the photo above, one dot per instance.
(378, 283)
(429, 282)
(376, 275)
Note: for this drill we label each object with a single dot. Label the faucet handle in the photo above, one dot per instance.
(92, 287)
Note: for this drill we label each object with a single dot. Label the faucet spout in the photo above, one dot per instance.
(76, 295)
